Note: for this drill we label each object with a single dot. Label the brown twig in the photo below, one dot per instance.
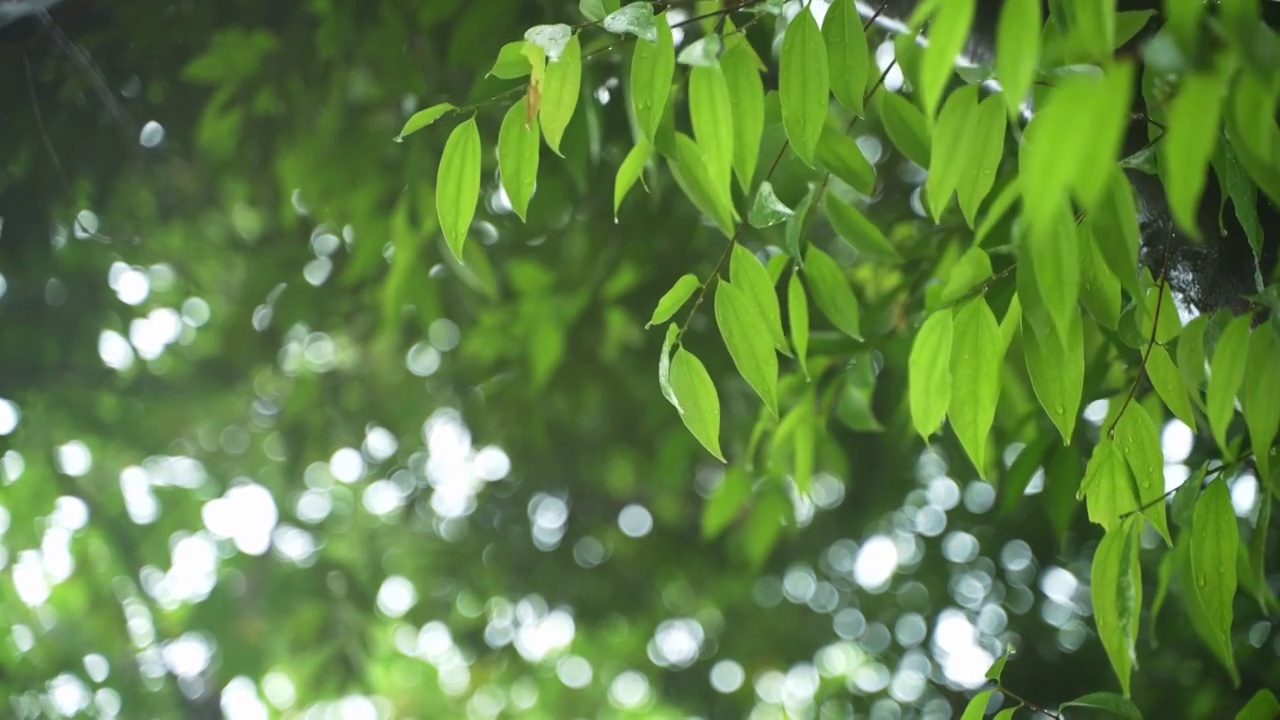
(1151, 341)
(1027, 703)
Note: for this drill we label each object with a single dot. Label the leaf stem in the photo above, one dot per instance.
(1151, 341)
(1027, 703)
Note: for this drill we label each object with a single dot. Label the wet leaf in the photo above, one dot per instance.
(458, 184)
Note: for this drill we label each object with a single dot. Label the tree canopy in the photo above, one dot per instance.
(550, 360)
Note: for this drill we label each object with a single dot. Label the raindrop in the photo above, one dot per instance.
(152, 134)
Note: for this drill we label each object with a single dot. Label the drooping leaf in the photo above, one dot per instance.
(631, 170)
(1114, 230)
(1226, 375)
(673, 299)
(948, 32)
(976, 360)
(1215, 542)
(986, 148)
(997, 668)
(1116, 584)
(653, 64)
(1190, 139)
(767, 210)
(905, 126)
(560, 90)
(746, 336)
(1099, 286)
(746, 96)
(929, 381)
(1055, 256)
(1169, 385)
(1108, 487)
(1110, 702)
(1139, 442)
(831, 292)
(518, 157)
(1056, 365)
(697, 400)
(458, 184)
(792, 237)
(751, 277)
(859, 232)
(423, 118)
(847, 54)
(634, 19)
(798, 317)
(970, 143)
(726, 502)
(841, 156)
(712, 117)
(695, 178)
(1018, 49)
(1258, 392)
(1185, 497)
(803, 84)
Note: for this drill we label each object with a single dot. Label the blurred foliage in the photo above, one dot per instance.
(268, 449)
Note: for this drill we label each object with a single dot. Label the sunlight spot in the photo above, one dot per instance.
(29, 578)
(422, 360)
(246, 514)
(676, 643)
(188, 655)
(491, 463)
(324, 243)
(313, 506)
(379, 443)
(86, 224)
(1059, 584)
(131, 285)
(294, 544)
(1176, 440)
(955, 641)
(279, 690)
(96, 667)
(635, 521)
(443, 334)
(346, 465)
(4, 285)
(574, 671)
(193, 568)
(396, 596)
(195, 311)
(1244, 494)
(1096, 411)
(74, 458)
(240, 700)
(877, 560)
(9, 416)
(115, 350)
(152, 134)
(727, 676)
(139, 501)
(317, 271)
(541, 636)
(629, 689)
(68, 694)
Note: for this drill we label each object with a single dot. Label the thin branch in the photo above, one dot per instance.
(44, 134)
(1151, 341)
(1220, 470)
(1027, 703)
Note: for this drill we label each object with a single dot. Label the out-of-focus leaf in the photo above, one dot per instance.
(726, 502)
(929, 373)
(1018, 49)
(859, 232)
(1109, 702)
(1226, 375)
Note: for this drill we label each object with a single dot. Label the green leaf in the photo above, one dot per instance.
(458, 184)
(976, 360)
(1185, 497)
(986, 149)
(1226, 375)
(512, 63)
(673, 299)
(697, 400)
(1188, 144)
(1167, 325)
(1190, 355)
(1262, 706)
(1257, 553)
(1258, 393)
(631, 170)
(1107, 487)
(551, 38)
(726, 502)
(929, 373)
(518, 157)
(695, 178)
(970, 144)
(703, 52)
(847, 55)
(560, 90)
(792, 238)
(746, 336)
(592, 10)
(653, 64)
(1253, 133)
(831, 292)
(803, 84)
(1215, 542)
(859, 232)
(977, 706)
(971, 270)
(1018, 49)
(1056, 366)
(1055, 258)
(906, 127)
(1007, 713)
(948, 32)
(712, 118)
(772, 510)
(664, 365)
(1130, 22)
(423, 118)
(767, 210)
(1139, 442)
(1110, 702)
(634, 19)
(997, 667)
(751, 277)
(1243, 193)
(1116, 583)
(746, 96)
(798, 317)
(1099, 287)
(1010, 323)
(1114, 229)
(840, 155)
(1164, 576)
(1168, 383)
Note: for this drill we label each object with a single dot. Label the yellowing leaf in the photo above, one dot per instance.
(458, 184)
(803, 84)
(746, 96)
(1187, 146)
(631, 170)
(847, 54)
(518, 157)
(698, 402)
(831, 292)
(423, 118)
(1056, 366)
(746, 336)
(673, 299)
(976, 360)
(1116, 585)
(1226, 374)
(652, 66)
(859, 232)
(929, 373)
(712, 118)
(798, 316)
(560, 90)
(751, 277)
(1018, 49)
